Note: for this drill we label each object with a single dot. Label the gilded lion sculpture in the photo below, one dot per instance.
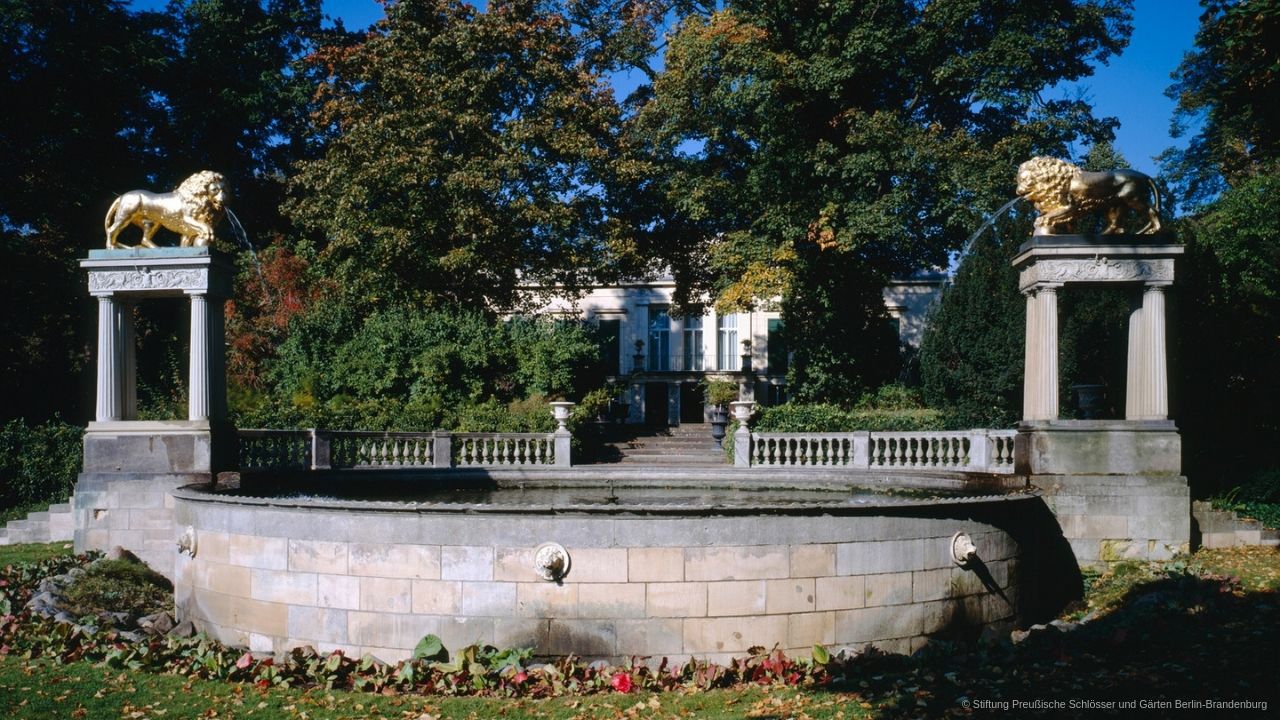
(191, 211)
(1063, 193)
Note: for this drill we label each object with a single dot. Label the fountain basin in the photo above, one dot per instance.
(666, 566)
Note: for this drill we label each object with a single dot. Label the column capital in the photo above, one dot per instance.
(1157, 285)
(1039, 287)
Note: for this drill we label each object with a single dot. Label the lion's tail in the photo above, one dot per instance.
(1155, 194)
(111, 217)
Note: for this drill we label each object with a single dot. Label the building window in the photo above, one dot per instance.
(727, 342)
(659, 338)
(693, 344)
(777, 349)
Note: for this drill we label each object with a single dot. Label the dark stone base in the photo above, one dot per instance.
(130, 468)
(1086, 240)
(1098, 447)
(1109, 518)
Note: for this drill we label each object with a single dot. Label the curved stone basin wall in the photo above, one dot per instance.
(275, 574)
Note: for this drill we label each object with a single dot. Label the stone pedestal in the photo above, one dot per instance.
(1115, 485)
(130, 466)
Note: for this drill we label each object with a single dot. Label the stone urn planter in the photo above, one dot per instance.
(561, 411)
(719, 393)
(719, 421)
(1090, 400)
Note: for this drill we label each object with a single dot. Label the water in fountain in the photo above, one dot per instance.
(238, 230)
(968, 244)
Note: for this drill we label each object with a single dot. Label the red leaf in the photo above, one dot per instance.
(621, 682)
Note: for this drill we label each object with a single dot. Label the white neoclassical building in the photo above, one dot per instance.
(660, 358)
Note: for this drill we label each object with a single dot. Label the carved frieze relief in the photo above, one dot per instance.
(1098, 269)
(144, 278)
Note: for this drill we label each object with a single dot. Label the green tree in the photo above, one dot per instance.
(1228, 91)
(237, 96)
(971, 358)
(468, 153)
(1227, 320)
(1227, 338)
(816, 150)
(76, 80)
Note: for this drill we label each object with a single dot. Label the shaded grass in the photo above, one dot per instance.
(44, 690)
(32, 552)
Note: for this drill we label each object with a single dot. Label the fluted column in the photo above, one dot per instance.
(1031, 365)
(109, 404)
(1155, 373)
(1134, 387)
(1048, 296)
(198, 370)
(1040, 386)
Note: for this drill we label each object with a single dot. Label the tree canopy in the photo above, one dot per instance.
(819, 150)
(103, 99)
(1228, 93)
(467, 153)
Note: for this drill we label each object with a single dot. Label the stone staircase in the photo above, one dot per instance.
(684, 445)
(1223, 528)
(53, 525)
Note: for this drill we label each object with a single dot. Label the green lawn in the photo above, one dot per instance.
(32, 552)
(41, 690)
(1203, 627)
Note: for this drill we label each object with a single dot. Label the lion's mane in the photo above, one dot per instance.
(1050, 185)
(197, 194)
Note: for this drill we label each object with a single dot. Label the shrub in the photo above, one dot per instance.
(1257, 498)
(119, 586)
(38, 463)
(720, 392)
(798, 417)
(404, 368)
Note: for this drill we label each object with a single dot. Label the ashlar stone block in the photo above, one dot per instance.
(611, 600)
(743, 597)
(655, 564)
(686, 599)
(794, 595)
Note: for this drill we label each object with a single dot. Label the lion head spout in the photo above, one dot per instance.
(205, 192)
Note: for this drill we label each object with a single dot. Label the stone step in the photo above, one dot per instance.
(673, 459)
(62, 526)
(667, 442)
(662, 452)
(37, 533)
(40, 516)
(707, 444)
(60, 508)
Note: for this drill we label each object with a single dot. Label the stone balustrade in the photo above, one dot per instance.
(311, 449)
(489, 449)
(968, 450)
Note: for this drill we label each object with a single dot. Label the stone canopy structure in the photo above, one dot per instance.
(131, 465)
(1115, 485)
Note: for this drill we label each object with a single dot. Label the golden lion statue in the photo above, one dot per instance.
(1063, 193)
(191, 211)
